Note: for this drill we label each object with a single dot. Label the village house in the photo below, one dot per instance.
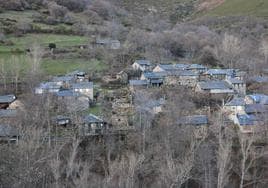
(156, 106)
(197, 68)
(257, 99)
(62, 121)
(169, 67)
(238, 85)
(79, 76)
(259, 79)
(142, 65)
(154, 78)
(200, 123)
(235, 106)
(74, 100)
(84, 88)
(8, 113)
(218, 74)
(184, 77)
(214, 87)
(8, 133)
(107, 43)
(63, 81)
(93, 125)
(47, 87)
(137, 84)
(6, 101)
(246, 123)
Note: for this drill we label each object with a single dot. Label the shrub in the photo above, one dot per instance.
(73, 5)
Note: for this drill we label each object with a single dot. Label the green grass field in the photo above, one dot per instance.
(22, 43)
(63, 66)
(241, 7)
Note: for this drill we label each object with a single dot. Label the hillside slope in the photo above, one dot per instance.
(240, 8)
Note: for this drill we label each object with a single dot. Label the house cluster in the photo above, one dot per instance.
(195, 76)
(74, 88)
(8, 110)
(248, 112)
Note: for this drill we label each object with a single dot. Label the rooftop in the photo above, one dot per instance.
(235, 81)
(246, 120)
(83, 85)
(49, 85)
(154, 75)
(7, 98)
(194, 120)
(143, 62)
(259, 79)
(8, 131)
(236, 102)
(259, 98)
(214, 85)
(255, 108)
(220, 72)
(138, 82)
(92, 119)
(8, 113)
(196, 66)
(67, 93)
(62, 79)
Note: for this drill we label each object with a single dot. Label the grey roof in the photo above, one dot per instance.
(92, 119)
(168, 67)
(259, 79)
(8, 113)
(246, 120)
(62, 79)
(7, 98)
(143, 62)
(221, 72)
(182, 73)
(138, 82)
(8, 131)
(194, 120)
(83, 85)
(154, 75)
(75, 73)
(214, 85)
(181, 66)
(49, 85)
(236, 102)
(235, 81)
(103, 41)
(67, 93)
(259, 98)
(196, 66)
(255, 108)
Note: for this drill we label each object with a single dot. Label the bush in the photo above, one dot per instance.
(73, 5)
(57, 11)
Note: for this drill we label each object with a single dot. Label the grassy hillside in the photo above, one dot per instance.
(241, 7)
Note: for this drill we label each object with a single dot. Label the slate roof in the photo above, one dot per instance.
(143, 62)
(8, 131)
(255, 108)
(221, 72)
(83, 85)
(154, 75)
(214, 85)
(169, 67)
(260, 79)
(8, 113)
(236, 102)
(138, 82)
(67, 93)
(181, 66)
(246, 120)
(49, 85)
(62, 79)
(7, 98)
(194, 120)
(259, 98)
(196, 66)
(92, 119)
(235, 81)
(180, 73)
